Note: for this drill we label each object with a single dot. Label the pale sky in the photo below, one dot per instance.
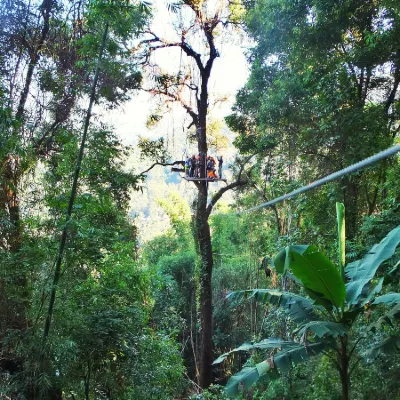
(229, 74)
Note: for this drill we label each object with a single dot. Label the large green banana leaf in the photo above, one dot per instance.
(298, 308)
(315, 271)
(388, 346)
(361, 272)
(270, 296)
(281, 262)
(248, 376)
(390, 316)
(286, 358)
(394, 269)
(373, 292)
(389, 299)
(270, 343)
(323, 328)
(273, 367)
(319, 299)
(298, 313)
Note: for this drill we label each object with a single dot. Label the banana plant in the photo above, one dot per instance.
(335, 297)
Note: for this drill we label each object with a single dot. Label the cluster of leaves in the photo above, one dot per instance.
(101, 344)
(324, 321)
(154, 150)
(312, 102)
(318, 89)
(101, 338)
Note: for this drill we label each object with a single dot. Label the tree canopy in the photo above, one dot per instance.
(126, 276)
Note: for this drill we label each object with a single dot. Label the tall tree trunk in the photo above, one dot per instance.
(11, 169)
(343, 362)
(74, 189)
(14, 312)
(206, 309)
(201, 226)
(10, 203)
(203, 236)
(63, 239)
(46, 9)
(194, 366)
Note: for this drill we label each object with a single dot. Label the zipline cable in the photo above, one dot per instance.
(329, 178)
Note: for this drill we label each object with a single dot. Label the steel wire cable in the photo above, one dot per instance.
(329, 178)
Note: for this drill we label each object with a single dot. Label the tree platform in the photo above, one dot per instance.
(204, 179)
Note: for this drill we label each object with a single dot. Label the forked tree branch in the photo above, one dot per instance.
(209, 32)
(220, 193)
(165, 44)
(177, 98)
(163, 164)
(239, 182)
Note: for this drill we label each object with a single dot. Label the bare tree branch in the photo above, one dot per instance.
(175, 97)
(208, 30)
(163, 164)
(220, 193)
(239, 182)
(48, 133)
(165, 44)
(392, 94)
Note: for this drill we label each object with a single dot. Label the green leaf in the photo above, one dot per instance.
(285, 359)
(350, 316)
(299, 313)
(318, 299)
(393, 314)
(324, 328)
(292, 277)
(282, 362)
(373, 292)
(298, 308)
(269, 343)
(388, 346)
(246, 378)
(394, 269)
(271, 296)
(389, 299)
(281, 262)
(314, 270)
(361, 272)
(243, 347)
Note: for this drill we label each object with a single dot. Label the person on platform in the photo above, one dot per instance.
(192, 169)
(187, 165)
(211, 168)
(220, 162)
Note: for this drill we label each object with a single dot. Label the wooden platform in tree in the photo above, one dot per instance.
(203, 179)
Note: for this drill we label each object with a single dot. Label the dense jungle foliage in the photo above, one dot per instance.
(299, 300)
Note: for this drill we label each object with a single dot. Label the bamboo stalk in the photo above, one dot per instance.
(57, 265)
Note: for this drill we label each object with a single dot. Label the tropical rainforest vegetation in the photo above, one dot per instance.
(297, 300)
